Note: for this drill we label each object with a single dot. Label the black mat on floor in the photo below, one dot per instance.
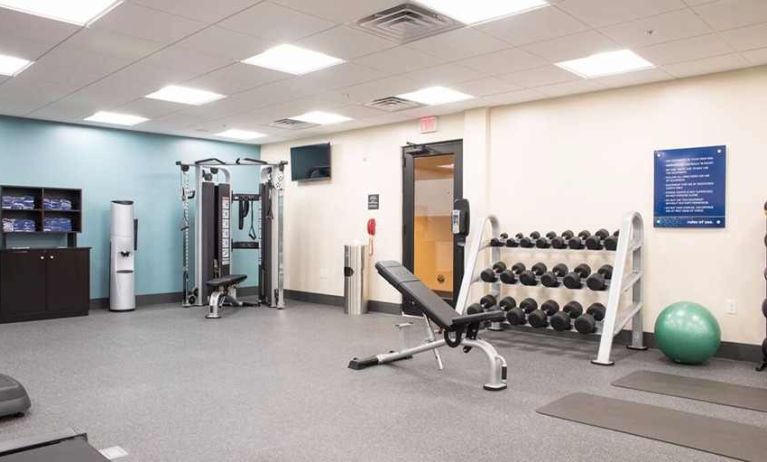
(709, 391)
(709, 434)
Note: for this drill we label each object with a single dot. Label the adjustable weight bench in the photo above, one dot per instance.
(456, 329)
(225, 294)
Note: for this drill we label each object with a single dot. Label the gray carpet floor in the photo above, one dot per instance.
(267, 385)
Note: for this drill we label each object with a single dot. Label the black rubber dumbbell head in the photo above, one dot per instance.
(602, 233)
(550, 307)
(516, 316)
(764, 307)
(527, 278)
(527, 242)
(474, 308)
(573, 309)
(539, 269)
(488, 301)
(598, 280)
(528, 305)
(535, 235)
(611, 243)
(561, 322)
(551, 278)
(574, 279)
(499, 266)
(508, 277)
(559, 243)
(488, 275)
(512, 242)
(507, 303)
(496, 242)
(543, 243)
(594, 242)
(567, 235)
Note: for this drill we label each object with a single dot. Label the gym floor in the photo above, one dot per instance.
(265, 385)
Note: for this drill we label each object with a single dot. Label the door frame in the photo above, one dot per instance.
(410, 152)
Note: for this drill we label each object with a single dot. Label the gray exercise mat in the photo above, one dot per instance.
(709, 434)
(709, 391)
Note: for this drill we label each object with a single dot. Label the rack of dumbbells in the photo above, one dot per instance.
(618, 276)
(763, 366)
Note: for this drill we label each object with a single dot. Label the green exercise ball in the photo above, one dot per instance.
(687, 333)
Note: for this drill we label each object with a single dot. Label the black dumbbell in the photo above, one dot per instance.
(499, 241)
(528, 242)
(764, 307)
(595, 241)
(560, 242)
(551, 278)
(598, 280)
(510, 275)
(507, 303)
(530, 277)
(563, 320)
(540, 317)
(485, 303)
(574, 279)
(587, 323)
(579, 242)
(517, 316)
(611, 242)
(491, 274)
(544, 242)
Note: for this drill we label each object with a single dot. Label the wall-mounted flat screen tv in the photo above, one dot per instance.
(310, 162)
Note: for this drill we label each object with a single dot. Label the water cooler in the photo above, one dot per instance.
(123, 245)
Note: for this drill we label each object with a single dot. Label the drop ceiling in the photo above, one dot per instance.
(143, 45)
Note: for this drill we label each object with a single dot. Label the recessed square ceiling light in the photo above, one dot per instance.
(79, 12)
(321, 118)
(10, 65)
(185, 95)
(607, 63)
(115, 118)
(435, 95)
(237, 134)
(475, 11)
(293, 60)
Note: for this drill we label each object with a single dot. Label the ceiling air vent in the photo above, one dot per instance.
(291, 124)
(393, 104)
(407, 22)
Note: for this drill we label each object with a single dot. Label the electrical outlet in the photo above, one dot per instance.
(731, 307)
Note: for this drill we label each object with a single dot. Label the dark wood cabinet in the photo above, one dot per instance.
(44, 283)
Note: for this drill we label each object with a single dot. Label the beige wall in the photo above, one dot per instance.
(575, 162)
(321, 217)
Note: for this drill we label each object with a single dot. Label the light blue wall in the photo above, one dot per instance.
(114, 164)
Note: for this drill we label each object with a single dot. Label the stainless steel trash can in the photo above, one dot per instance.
(355, 302)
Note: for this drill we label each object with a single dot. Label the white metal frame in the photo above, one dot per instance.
(630, 243)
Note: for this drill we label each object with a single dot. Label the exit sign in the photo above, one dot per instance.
(429, 124)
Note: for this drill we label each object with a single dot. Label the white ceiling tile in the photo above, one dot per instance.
(146, 23)
(573, 46)
(357, 112)
(534, 26)
(634, 78)
(275, 23)
(340, 11)
(513, 97)
(486, 86)
(685, 50)
(16, 25)
(218, 41)
(345, 43)
(236, 78)
(658, 29)
(390, 86)
(23, 48)
(747, 38)
(600, 13)
(707, 65)
(698, 2)
(200, 10)
(729, 14)
(444, 74)
(149, 108)
(340, 76)
(186, 63)
(37, 91)
(65, 109)
(546, 75)
(107, 43)
(398, 60)
(570, 88)
(503, 62)
(459, 44)
(175, 121)
(756, 57)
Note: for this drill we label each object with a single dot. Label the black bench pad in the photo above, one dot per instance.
(226, 281)
(427, 301)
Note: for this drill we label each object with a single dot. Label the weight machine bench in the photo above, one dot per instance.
(225, 294)
(457, 329)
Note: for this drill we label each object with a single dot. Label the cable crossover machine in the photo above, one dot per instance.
(213, 198)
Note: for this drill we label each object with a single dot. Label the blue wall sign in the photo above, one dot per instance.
(690, 187)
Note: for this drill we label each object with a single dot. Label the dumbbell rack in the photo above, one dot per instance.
(763, 366)
(630, 242)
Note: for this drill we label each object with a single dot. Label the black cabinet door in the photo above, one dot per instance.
(67, 278)
(22, 283)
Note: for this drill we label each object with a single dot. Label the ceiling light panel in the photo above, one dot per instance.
(476, 11)
(11, 65)
(79, 12)
(607, 63)
(237, 134)
(293, 60)
(321, 118)
(116, 118)
(433, 96)
(185, 95)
